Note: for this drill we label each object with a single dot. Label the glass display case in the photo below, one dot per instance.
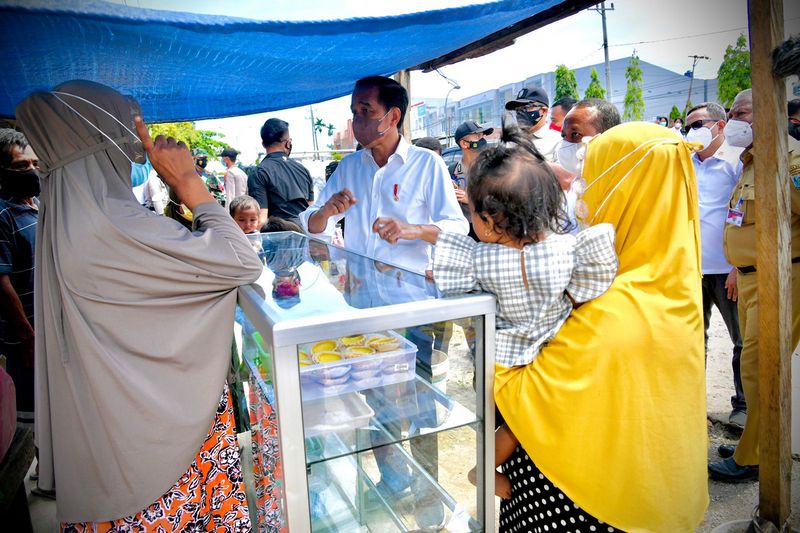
(370, 395)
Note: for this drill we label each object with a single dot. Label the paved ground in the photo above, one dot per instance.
(728, 502)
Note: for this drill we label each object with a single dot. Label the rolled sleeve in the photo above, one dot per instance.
(325, 194)
(595, 263)
(445, 211)
(454, 264)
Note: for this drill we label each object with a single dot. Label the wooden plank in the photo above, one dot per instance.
(403, 77)
(505, 37)
(773, 246)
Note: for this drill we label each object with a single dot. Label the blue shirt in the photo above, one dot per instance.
(17, 244)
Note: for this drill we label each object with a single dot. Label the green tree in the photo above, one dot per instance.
(566, 84)
(734, 72)
(320, 126)
(634, 102)
(675, 113)
(208, 140)
(594, 90)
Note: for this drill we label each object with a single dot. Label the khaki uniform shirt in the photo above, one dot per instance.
(740, 241)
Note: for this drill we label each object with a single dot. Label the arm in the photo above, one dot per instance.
(12, 308)
(595, 264)
(257, 188)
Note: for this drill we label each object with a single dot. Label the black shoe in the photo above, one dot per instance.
(726, 450)
(728, 471)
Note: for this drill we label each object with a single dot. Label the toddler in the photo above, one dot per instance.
(245, 210)
(527, 258)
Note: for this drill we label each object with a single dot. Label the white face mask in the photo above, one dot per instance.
(677, 125)
(567, 154)
(701, 135)
(739, 133)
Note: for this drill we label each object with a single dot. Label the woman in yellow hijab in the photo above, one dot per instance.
(612, 413)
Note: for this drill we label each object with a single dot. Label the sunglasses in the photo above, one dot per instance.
(697, 124)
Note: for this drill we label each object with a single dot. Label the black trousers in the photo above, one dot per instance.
(714, 293)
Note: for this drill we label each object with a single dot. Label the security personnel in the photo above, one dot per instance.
(740, 463)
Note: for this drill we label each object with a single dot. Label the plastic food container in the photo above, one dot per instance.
(336, 414)
(364, 362)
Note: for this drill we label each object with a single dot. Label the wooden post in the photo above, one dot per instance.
(403, 77)
(773, 247)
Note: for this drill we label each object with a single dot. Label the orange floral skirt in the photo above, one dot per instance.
(208, 497)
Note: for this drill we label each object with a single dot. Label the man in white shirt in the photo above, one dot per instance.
(390, 192)
(235, 180)
(718, 168)
(531, 107)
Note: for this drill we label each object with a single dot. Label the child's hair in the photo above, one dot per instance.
(512, 184)
(243, 202)
(278, 224)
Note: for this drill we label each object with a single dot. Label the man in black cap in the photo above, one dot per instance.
(471, 137)
(531, 107)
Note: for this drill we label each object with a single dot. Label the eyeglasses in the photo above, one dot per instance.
(697, 124)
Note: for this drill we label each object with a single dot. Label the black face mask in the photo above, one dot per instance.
(794, 130)
(202, 162)
(477, 145)
(526, 119)
(19, 183)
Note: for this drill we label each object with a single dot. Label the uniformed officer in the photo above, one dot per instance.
(740, 463)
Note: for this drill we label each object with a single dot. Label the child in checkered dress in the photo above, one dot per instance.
(527, 258)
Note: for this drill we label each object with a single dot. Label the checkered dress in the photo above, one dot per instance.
(531, 284)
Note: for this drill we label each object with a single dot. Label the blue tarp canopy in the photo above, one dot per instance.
(185, 66)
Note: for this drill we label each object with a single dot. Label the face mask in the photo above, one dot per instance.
(526, 119)
(739, 133)
(139, 155)
(567, 154)
(202, 163)
(677, 125)
(476, 145)
(664, 124)
(701, 135)
(20, 183)
(794, 130)
(367, 134)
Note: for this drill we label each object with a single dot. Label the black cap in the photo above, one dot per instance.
(529, 95)
(471, 126)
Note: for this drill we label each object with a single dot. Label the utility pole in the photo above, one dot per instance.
(695, 59)
(602, 10)
(314, 133)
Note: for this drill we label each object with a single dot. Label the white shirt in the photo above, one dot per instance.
(235, 183)
(546, 140)
(716, 178)
(413, 187)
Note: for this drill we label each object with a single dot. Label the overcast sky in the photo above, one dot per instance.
(663, 32)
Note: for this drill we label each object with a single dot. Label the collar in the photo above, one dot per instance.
(401, 151)
(276, 155)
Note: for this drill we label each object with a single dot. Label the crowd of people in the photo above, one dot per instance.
(606, 245)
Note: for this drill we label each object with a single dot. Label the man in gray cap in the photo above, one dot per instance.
(531, 107)
(471, 137)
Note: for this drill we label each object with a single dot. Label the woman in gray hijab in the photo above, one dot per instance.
(134, 320)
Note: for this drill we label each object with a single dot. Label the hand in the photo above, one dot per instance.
(564, 177)
(461, 196)
(730, 285)
(392, 230)
(173, 162)
(339, 203)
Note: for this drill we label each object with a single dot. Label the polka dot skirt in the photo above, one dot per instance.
(538, 506)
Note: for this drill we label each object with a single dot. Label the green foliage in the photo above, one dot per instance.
(336, 156)
(733, 75)
(634, 102)
(594, 90)
(210, 141)
(566, 84)
(675, 113)
(320, 125)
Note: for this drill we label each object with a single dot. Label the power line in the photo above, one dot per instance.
(678, 38)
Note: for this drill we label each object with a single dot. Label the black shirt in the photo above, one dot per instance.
(282, 186)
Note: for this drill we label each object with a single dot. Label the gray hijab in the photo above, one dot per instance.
(133, 313)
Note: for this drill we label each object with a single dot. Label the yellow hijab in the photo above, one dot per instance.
(613, 410)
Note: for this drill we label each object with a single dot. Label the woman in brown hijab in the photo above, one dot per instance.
(134, 319)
